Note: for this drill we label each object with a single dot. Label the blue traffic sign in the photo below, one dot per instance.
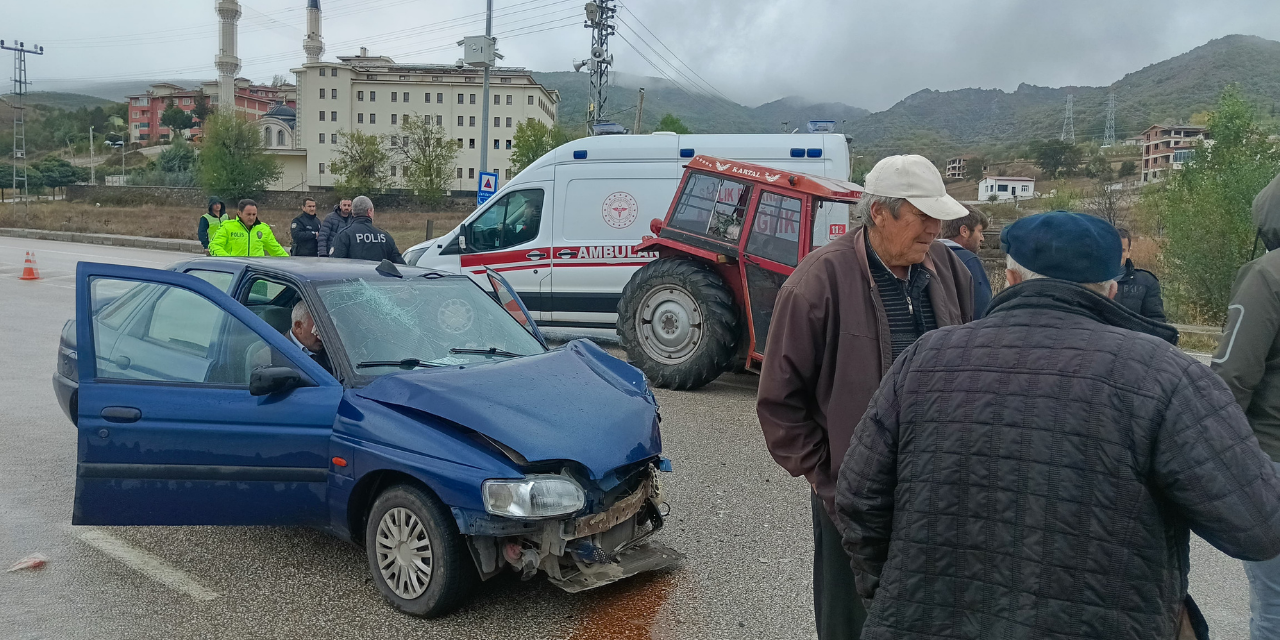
(488, 186)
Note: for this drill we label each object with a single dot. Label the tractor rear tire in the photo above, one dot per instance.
(679, 323)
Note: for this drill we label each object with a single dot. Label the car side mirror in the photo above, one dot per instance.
(265, 381)
(463, 232)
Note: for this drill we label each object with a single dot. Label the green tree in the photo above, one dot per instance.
(671, 123)
(1206, 209)
(1128, 168)
(202, 109)
(1056, 157)
(532, 140)
(179, 157)
(362, 164)
(232, 163)
(176, 119)
(1099, 168)
(973, 169)
(428, 157)
(57, 172)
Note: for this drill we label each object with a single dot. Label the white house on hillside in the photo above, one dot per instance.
(1006, 188)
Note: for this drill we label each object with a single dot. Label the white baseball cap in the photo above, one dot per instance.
(916, 179)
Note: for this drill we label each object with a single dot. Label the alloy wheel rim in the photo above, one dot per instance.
(669, 324)
(404, 553)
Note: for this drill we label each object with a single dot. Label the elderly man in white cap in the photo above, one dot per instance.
(838, 324)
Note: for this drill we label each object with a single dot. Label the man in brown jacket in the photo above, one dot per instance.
(838, 323)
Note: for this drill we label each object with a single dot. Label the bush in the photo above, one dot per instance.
(232, 164)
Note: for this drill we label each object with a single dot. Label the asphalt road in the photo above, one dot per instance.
(742, 522)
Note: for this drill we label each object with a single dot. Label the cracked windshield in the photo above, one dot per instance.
(389, 321)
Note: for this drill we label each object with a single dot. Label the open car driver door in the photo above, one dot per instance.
(510, 301)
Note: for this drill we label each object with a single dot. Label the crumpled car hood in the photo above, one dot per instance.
(574, 403)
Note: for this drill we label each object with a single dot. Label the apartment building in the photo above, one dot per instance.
(1165, 148)
(145, 109)
(374, 94)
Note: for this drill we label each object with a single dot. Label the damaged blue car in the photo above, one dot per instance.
(406, 410)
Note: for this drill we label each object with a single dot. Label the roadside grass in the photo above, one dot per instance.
(408, 228)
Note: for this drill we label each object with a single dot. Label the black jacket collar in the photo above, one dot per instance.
(1060, 295)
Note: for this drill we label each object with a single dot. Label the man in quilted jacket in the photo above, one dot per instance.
(1037, 473)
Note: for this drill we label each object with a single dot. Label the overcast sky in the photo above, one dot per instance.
(866, 53)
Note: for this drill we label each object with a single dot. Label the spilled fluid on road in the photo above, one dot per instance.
(625, 610)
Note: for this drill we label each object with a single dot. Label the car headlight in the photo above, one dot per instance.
(538, 496)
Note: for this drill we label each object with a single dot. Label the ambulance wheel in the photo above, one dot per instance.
(418, 559)
(679, 324)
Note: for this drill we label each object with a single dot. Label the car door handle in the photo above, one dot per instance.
(567, 253)
(535, 255)
(121, 414)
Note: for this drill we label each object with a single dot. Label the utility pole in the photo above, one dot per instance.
(481, 51)
(600, 15)
(639, 112)
(92, 169)
(1069, 123)
(1109, 136)
(20, 83)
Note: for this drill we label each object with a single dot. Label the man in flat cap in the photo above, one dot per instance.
(1037, 473)
(838, 323)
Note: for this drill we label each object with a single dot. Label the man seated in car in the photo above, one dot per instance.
(302, 333)
(524, 223)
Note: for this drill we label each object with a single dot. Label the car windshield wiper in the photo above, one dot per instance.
(407, 363)
(491, 351)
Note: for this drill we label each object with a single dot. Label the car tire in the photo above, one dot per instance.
(406, 517)
(678, 323)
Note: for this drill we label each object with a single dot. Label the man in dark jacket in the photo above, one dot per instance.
(363, 241)
(1138, 289)
(1248, 359)
(838, 323)
(1037, 473)
(336, 221)
(304, 231)
(964, 236)
(214, 216)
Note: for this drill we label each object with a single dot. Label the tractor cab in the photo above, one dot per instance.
(733, 234)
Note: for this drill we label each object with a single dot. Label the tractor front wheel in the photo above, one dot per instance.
(679, 324)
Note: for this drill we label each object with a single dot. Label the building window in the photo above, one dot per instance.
(472, 121)
(505, 81)
(508, 123)
(405, 96)
(393, 171)
(497, 99)
(360, 96)
(440, 98)
(333, 94)
(439, 121)
(473, 98)
(373, 96)
(322, 72)
(469, 79)
(459, 143)
(508, 144)
(279, 137)
(144, 125)
(333, 115)
(471, 173)
(395, 96)
(323, 94)
(135, 114)
(186, 101)
(471, 143)
(460, 121)
(322, 138)
(435, 78)
(426, 97)
(371, 77)
(530, 99)
(497, 144)
(404, 77)
(359, 118)
(321, 116)
(460, 98)
(497, 122)
(373, 118)
(508, 99)
(459, 173)
(321, 168)
(508, 174)
(393, 118)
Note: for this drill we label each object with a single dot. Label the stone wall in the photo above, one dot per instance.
(196, 198)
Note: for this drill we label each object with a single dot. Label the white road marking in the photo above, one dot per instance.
(146, 564)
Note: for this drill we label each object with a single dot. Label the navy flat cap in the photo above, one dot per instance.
(1064, 245)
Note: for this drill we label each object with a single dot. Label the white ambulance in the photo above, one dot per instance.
(563, 232)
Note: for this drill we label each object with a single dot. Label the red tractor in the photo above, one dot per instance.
(732, 235)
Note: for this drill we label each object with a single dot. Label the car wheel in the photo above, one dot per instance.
(679, 324)
(417, 557)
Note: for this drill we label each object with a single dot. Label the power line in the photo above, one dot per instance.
(673, 54)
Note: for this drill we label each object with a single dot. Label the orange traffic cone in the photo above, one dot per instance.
(29, 270)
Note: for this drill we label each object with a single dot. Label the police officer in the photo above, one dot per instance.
(1138, 289)
(363, 241)
(245, 235)
(305, 230)
(207, 228)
